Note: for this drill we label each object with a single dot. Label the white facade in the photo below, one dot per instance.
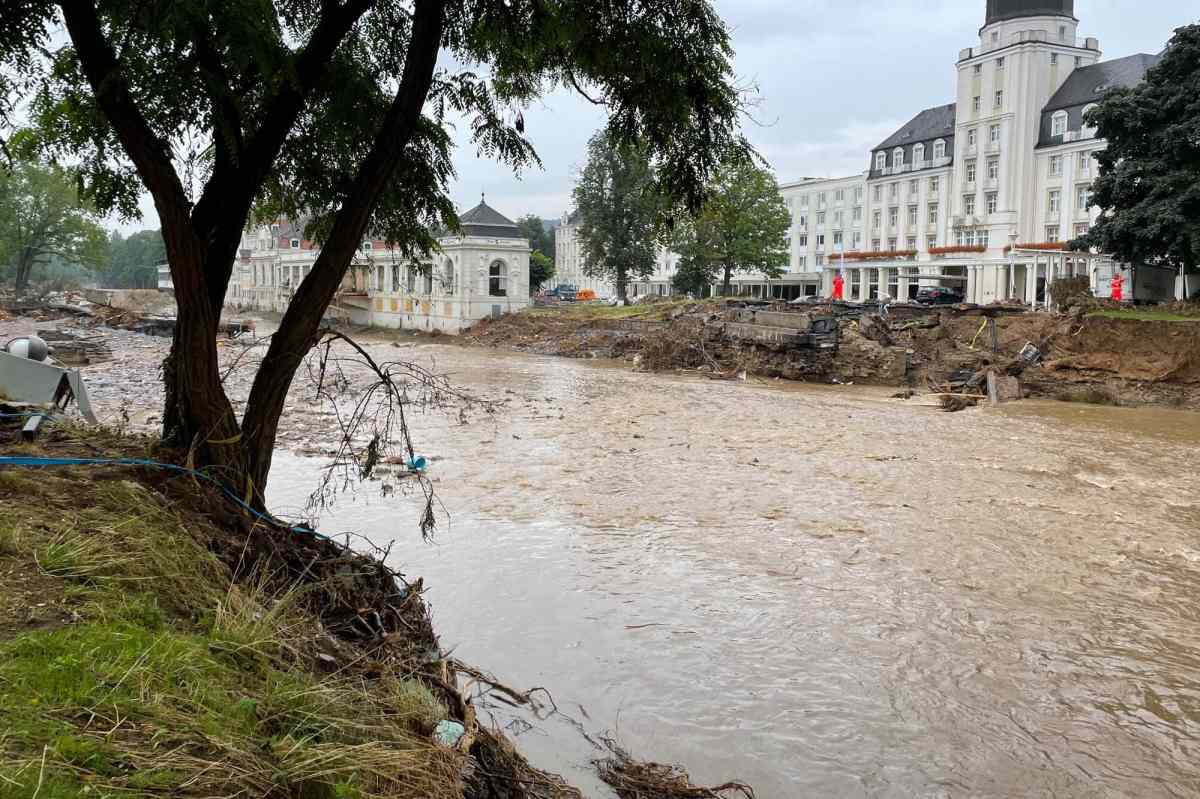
(483, 272)
(975, 194)
(568, 266)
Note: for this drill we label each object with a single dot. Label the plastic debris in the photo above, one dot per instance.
(449, 733)
(417, 464)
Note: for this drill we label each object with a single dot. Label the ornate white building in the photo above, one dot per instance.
(978, 194)
(482, 272)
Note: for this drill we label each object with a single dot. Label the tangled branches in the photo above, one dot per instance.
(372, 421)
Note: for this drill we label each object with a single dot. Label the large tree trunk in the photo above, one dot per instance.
(24, 268)
(622, 285)
(727, 280)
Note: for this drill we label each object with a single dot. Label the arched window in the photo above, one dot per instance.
(918, 154)
(498, 279)
(939, 149)
(395, 279)
(448, 277)
(428, 282)
(411, 286)
(379, 284)
(1089, 131)
(1058, 123)
(880, 161)
(898, 157)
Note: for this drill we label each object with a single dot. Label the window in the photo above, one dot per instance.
(994, 134)
(897, 157)
(880, 161)
(803, 200)
(840, 194)
(1058, 124)
(498, 278)
(821, 238)
(893, 190)
(1089, 131)
(979, 69)
(914, 187)
(296, 242)
(821, 214)
(992, 201)
(803, 261)
(891, 244)
(448, 277)
(1083, 197)
(876, 220)
(971, 170)
(411, 282)
(912, 240)
(893, 215)
(802, 240)
(821, 200)
(995, 37)
(1053, 59)
(972, 137)
(1055, 166)
(802, 221)
(993, 167)
(939, 149)
(857, 239)
(837, 236)
(918, 154)
(933, 213)
(968, 204)
(395, 280)
(837, 218)
(858, 194)
(999, 65)
(981, 238)
(1062, 37)
(975, 103)
(933, 185)
(1051, 230)
(999, 101)
(1054, 201)
(858, 212)
(875, 245)
(1082, 229)
(912, 214)
(1085, 163)
(878, 192)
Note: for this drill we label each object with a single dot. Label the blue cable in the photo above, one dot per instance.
(23, 460)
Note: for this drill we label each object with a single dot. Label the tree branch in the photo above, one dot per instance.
(300, 327)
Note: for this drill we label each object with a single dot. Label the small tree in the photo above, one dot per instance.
(41, 217)
(541, 269)
(1149, 183)
(620, 210)
(742, 225)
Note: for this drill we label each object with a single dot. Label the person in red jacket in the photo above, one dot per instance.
(1118, 287)
(839, 286)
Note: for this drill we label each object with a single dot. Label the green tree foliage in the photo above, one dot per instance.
(336, 111)
(541, 270)
(620, 207)
(693, 277)
(541, 260)
(133, 260)
(742, 225)
(1149, 182)
(42, 220)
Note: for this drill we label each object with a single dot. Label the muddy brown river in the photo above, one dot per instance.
(817, 590)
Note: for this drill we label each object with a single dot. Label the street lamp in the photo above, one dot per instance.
(1012, 264)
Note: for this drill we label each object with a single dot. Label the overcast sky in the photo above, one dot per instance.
(835, 77)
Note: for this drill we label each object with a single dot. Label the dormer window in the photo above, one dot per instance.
(897, 157)
(939, 149)
(880, 161)
(1058, 123)
(918, 154)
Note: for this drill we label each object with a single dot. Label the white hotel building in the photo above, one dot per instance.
(976, 194)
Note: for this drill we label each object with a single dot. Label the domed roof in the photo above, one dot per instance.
(1001, 10)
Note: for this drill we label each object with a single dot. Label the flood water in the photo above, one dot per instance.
(816, 590)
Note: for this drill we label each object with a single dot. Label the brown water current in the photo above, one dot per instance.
(816, 590)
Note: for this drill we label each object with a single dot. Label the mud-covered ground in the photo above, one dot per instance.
(1091, 359)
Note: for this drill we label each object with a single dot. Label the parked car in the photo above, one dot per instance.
(566, 293)
(939, 295)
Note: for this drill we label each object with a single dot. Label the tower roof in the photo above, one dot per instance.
(484, 220)
(1001, 10)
